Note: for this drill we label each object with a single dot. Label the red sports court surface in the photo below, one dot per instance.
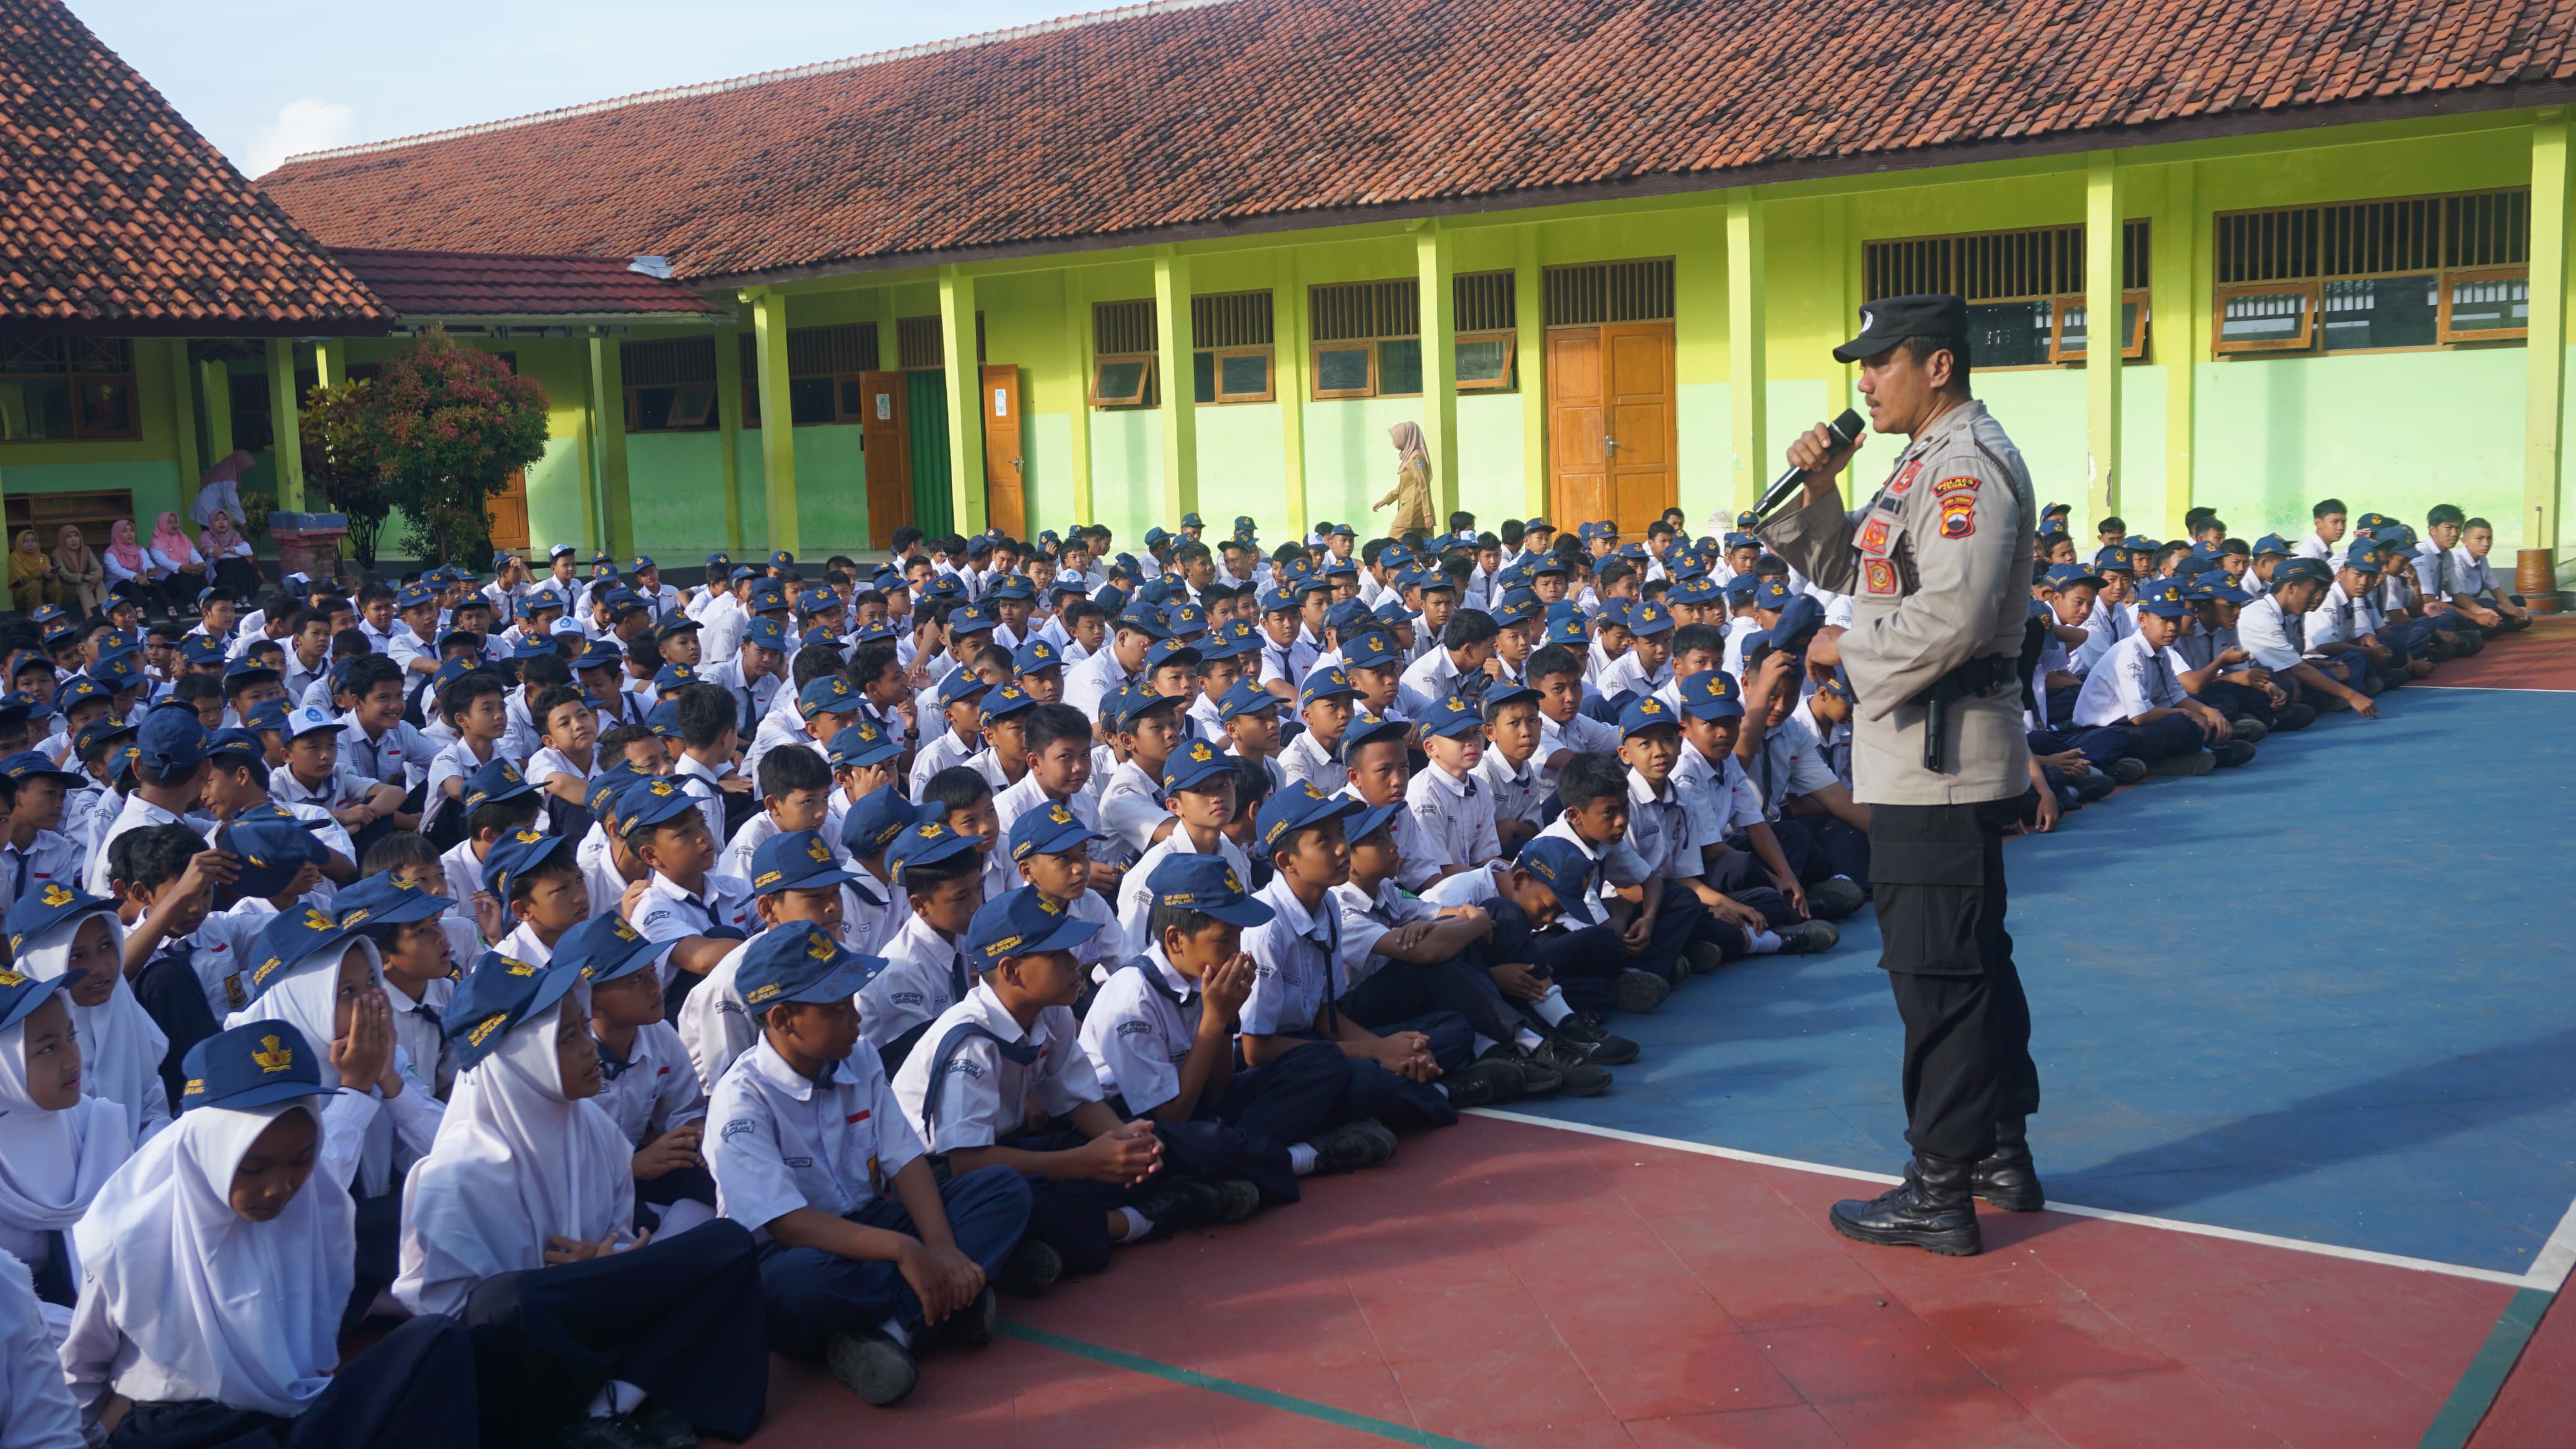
(2544, 657)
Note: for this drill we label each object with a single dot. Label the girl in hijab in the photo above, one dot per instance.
(33, 580)
(130, 566)
(229, 555)
(329, 982)
(220, 489)
(172, 550)
(520, 1223)
(82, 576)
(57, 1146)
(1412, 492)
(57, 931)
(216, 1263)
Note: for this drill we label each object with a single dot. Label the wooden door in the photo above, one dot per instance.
(886, 441)
(1578, 482)
(508, 510)
(1637, 398)
(1005, 467)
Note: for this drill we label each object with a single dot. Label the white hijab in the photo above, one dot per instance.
(121, 1046)
(52, 1164)
(308, 997)
(247, 1314)
(516, 1162)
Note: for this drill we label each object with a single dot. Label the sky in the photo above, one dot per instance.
(269, 79)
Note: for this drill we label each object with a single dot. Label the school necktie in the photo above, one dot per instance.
(957, 976)
(612, 1066)
(18, 880)
(1470, 791)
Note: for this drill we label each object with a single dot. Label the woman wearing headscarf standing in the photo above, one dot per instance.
(78, 570)
(58, 1146)
(521, 1224)
(228, 554)
(33, 580)
(215, 1266)
(172, 550)
(1412, 492)
(220, 489)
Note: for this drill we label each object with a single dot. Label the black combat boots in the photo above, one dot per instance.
(1931, 1209)
(2008, 1178)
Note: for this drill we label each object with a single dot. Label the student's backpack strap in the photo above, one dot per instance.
(946, 1055)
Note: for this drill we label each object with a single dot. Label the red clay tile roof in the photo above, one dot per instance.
(115, 215)
(489, 284)
(1185, 118)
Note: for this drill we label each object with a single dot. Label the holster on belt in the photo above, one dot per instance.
(1974, 677)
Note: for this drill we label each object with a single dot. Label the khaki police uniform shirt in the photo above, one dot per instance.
(1937, 567)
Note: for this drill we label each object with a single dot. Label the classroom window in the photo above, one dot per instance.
(1597, 293)
(1230, 339)
(2024, 289)
(1123, 362)
(824, 365)
(1487, 316)
(670, 384)
(2410, 272)
(68, 389)
(1367, 339)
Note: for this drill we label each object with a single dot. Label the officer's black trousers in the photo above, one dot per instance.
(1938, 873)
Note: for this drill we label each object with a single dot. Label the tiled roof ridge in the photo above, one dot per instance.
(763, 78)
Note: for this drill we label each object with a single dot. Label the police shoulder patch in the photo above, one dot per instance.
(1961, 484)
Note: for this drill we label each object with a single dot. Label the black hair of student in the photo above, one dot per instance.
(464, 689)
(450, 644)
(1190, 553)
(1078, 610)
(1468, 628)
(955, 788)
(544, 672)
(1251, 786)
(1659, 529)
(1513, 532)
(838, 577)
(1698, 636)
(904, 538)
(1609, 575)
(870, 663)
(299, 620)
(366, 671)
(503, 816)
(865, 597)
(372, 590)
(2326, 506)
(1920, 349)
(1188, 922)
(153, 855)
(1288, 552)
(9, 793)
(2192, 520)
(2112, 524)
(1653, 589)
(1049, 723)
(813, 662)
(524, 884)
(707, 714)
(234, 760)
(2444, 513)
(1375, 546)
(1550, 660)
(1770, 566)
(2039, 568)
(644, 653)
(550, 699)
(475, 601)
(2172, 550)
(1591, 776)
(611, 747)
(2475, 522)
(397, 851)
(352, 644)
(920, 878)
(1461, 522)
(992, 656)
(1487, 540)
(786, 770)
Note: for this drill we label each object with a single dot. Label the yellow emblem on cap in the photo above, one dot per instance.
(317, 919)
(9, 978)
(517, 967)
(354, 917)
(1230, 882)
(273, 1055)
(818, 946)
(816, 849)
(1649, 706)
(1058, 815)
(526, 836)
(57, 896)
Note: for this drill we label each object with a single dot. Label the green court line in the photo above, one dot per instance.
(2476, 1391)
(1192, 1378)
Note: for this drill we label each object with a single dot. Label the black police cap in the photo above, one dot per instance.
(1890, 320)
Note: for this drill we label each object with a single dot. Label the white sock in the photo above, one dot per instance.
(893, 1328)
(1138, 1225)
(1442, 1088)
(1551, 1008)
(616, 1396)
(1301, 1158)
(1762, 943)
(1483, 1044)
(1528, 1040)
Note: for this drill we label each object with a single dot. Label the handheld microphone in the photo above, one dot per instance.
(1845, 431)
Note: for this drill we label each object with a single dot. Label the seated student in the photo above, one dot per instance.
(1558, 672)
(541, 887)
(1508, 772)
(2477, 578)
(686, 899)
(520, 1223)
(964, 799)
(1198, 790)
(567, 732)
(1822, 832)
(2134, 685)
(58, 1144)
(57, 931)
(2322, 544)
(34, 853)
(1745, 875)
(1654, 939)
(236, 788)
(1456, 666)
(708, 744)
(941, 873)
(1058, 745)
(1456, 819)
(1098, 1180)
(960, 700)
(312, 774)
(1145, 729)
(650, 1089)
(215, 1268)
(795, 794)
(1645, 666)
(2345, 622)
(471, 705)
(1326, 704)
(2213, 666)
(812, 1141)
(255, 869)
(1249, 715)
(1050, 846)
(416, 952)
(497, 803)
(797, 882)
(1375, 756)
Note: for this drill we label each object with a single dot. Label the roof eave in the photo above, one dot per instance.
(302, 328)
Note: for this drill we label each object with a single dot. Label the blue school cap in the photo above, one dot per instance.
(170, 740)
(1296, 807)
(1156, 535)
(1503, 694)
(524, 850)
(2272, 543)
(1711, 694)
(1367, 730)
(861, 742)
(495, 780)
(1451, 716)
(1740, 589)
(2162, 598)
(877, 818)
(543, 596)
(829, 694)
(652, 801)
(1324, 684)
(1565, 868)
(961, 684)
(1643, 714)
(768, 597)
(2067, 576)
(795, 861)
(1035, 655)
(927, 841)
(39, 912)
(1021, 923)
(2113, 558)
(497, 996)
(271, 852)
(1182, 617)
(2293, 569)
(1193, 765)
(1014, 586)
(1348, 616)
(1372, 650)
(2140, 543)
(767, 633)
(971, 619)
(1694, 589)
(1171, 651)
(1242, 698)
(78, 688)
(2359, 562)
(1047, 829)
(1772, 593)
(291, 936)
(413, 596)
(664, 719)
(383, 900)
(600, 654)
(1144, 618)
(608, 784)
(2222, 588)
(1518, 604)
(256, 1064)
(1208, 885)
(1004, 702)
(1567, 629)
(674, 676)
(1649, 618)
(1276, 600)
(121, 673)
(21, 994)
(1121, 710)
(445, 675)
(1799, 617)
(37, 765)
(1371, 820)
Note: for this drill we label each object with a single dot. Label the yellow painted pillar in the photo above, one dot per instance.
(183, 421)
(777, 415)
(1529, 348)
(216, 380)
(729, 418)
(2545, 349)
(283, 425)
(1288, 334)
(615, 521)
(2103, 215)
(965, 381)
(331, 361)
(1438, 319)
(2177, 320)
(1748, 361)
(1175, 351)
(1077, 363)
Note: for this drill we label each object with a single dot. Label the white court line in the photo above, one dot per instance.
(2492, 688)
(2552, 1269)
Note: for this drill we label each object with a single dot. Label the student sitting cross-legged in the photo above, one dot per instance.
(862, 1249)
(1745, 875)
(1097, 1180)
(942, 875)
(520, 1222)
(2134, 684)
(796, 883)
(649, 1088)
(1549, 954)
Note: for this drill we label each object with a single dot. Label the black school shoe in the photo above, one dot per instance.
(1182, 1203)
(871, 1365)
(1352, 1146)
(1577, 1075)
(660, 1426)
(2093, 786)
(1600, 1044)
(1638, 992)
(1833, 898)
(2126, 770)
(1483, 1082)
(1808, 938)
(2232, 753)
(1930, 1209)
(610, 1431)
(1031, 1270)
(1538, 1079)
(972, 1326)
(2294, 716)
(2249, 729)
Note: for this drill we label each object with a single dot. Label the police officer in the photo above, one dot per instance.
(1937, 569)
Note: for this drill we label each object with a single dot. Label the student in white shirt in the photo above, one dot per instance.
(1454, 812)
(2134, 685)
(2326, 542)
(649, 1089)
(686, 900)
(942, 876)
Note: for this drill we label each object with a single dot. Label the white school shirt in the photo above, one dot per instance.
(339, 790)
(2275, 638)
(1294, 955)
(418, 1032)
(720, 631)
(1131, 806)
(982, 1095)
(2315, 546)
(404, 647)
(2131, 680)
(2110, 624)
(1581, 733)
(656, 1089)
(1094, 679)
(1791, 762)
(1018, 800)
(1291, 662)
(1619, 866)
(925, 975)
(667, 913)
(2476, 575)
(549, 762)
(2340, 619)
(400, 757)
(702, 781)
(134, 814)
(454, 762)
(1516, 792)
(522, 944)
(1140, 1029)
(50, 858)
(1425, 682)
(1304, 759)
(1456, 816)
(1717, 795)
(779, 1142)
(940, 754)
(1660, 830)
(222, 950)
(1419, 854)
(465, 876)
(1625, 673)
(1366, 916)
(1136, 893)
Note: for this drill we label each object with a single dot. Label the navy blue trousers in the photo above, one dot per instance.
(414, 1389)
(807, 1295)
(1290, 1098)
(1680, 922)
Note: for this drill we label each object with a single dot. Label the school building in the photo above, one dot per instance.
(1598, 249)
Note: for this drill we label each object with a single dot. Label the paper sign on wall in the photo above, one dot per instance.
(1001, 402)
(885, 407)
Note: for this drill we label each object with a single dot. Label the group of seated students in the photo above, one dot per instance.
(505, 1010)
